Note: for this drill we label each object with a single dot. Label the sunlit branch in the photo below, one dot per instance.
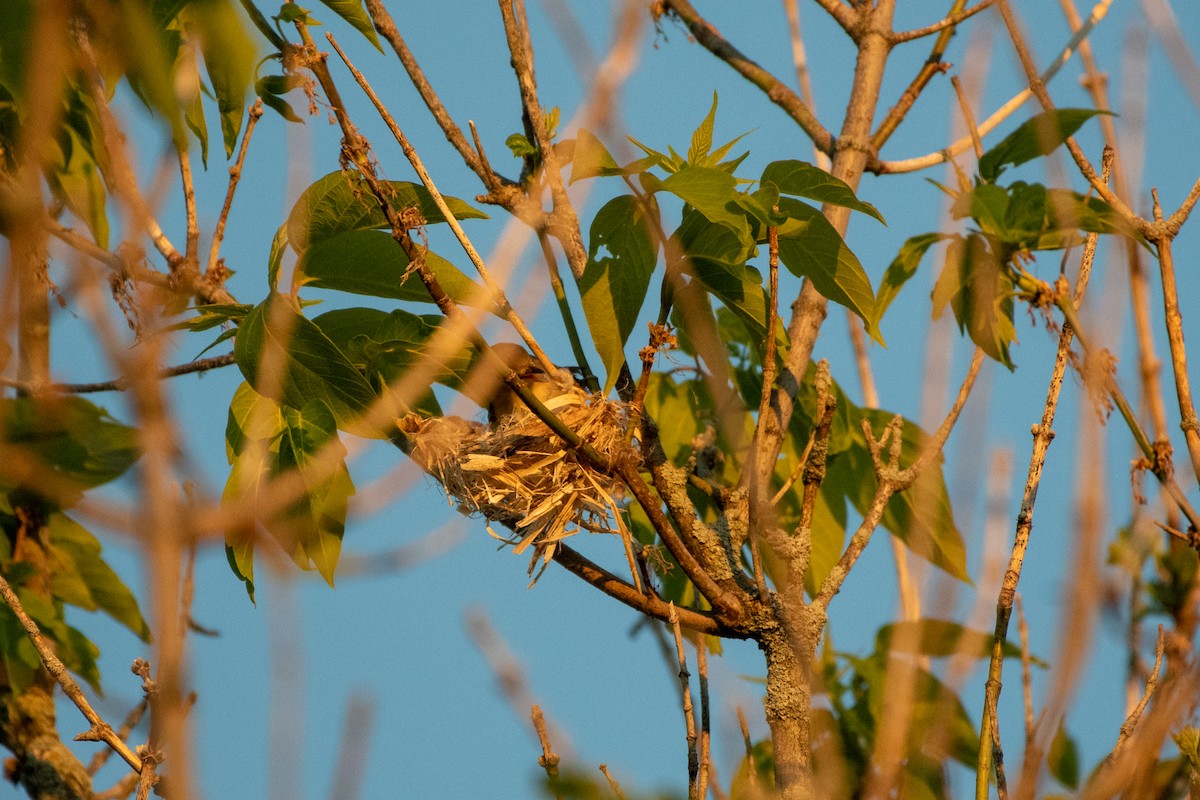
(101, 730)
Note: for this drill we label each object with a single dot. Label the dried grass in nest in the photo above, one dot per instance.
(520, 474)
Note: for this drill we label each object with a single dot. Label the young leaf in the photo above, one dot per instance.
(810, 247)
(702, 136)
(712, 192)
(286, 357)
(801, 179)
(903, 267)
(591, 159)
(1038, 136)
(341, 202)
(352, 11)
(370, 262)
(621, 258)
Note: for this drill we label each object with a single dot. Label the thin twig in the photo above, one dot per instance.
(932, 66)
(892, 479)
(1026, 673)
(100, 731)
(131, 721)
(949, 21)
(192, 238)
(410, 153)
(564, 222)
(648, 604)
(1135, 715)
(612, 783)
(751, 767)
(689, 718)
(775, 90)
(1173, 321)
(968, 116)
(759, 472)
(705, 730)
(120, 384)
(1043, 434)
(548, 760)
(119, 173)
(235, 174)
(1002, 113)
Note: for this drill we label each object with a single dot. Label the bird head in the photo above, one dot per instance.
(486, 384)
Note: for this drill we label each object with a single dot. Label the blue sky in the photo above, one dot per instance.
(274, 687)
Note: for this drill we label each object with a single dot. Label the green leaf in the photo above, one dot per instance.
(812, 248)
(17, 654)
(286, 357)
(938, 725)
(316, 523)
(520, 145)
(801, 179)
(987, 204)
(239, 552)
(702, 136)
(1063, 758)
(352, 11)
(712, 192)
(386, 345)
(621, 258)
(275, 260)
(264, 441)
(76, 445)
(1067, 209)
(661, 160)
(229, 58)
(980, 292)
(1038, 136)
(193, 112)
(280, 106)
(214, 314)
(82, 577)
(938, 638)
(76, 181)
(370, 262)
(341, 201)
(591, 159)
(903, 267)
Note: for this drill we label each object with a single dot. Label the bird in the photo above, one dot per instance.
(486, 385)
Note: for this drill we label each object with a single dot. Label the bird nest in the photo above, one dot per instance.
(521, 475)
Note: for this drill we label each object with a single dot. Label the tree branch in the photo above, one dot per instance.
(649, 605)
(120, 384)
(951, 20)
(776, 91)
(881, 167)
(101, 730)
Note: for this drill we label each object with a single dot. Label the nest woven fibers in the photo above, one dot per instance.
(521, 475)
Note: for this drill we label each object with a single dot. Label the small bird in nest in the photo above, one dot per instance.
(488, 389)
